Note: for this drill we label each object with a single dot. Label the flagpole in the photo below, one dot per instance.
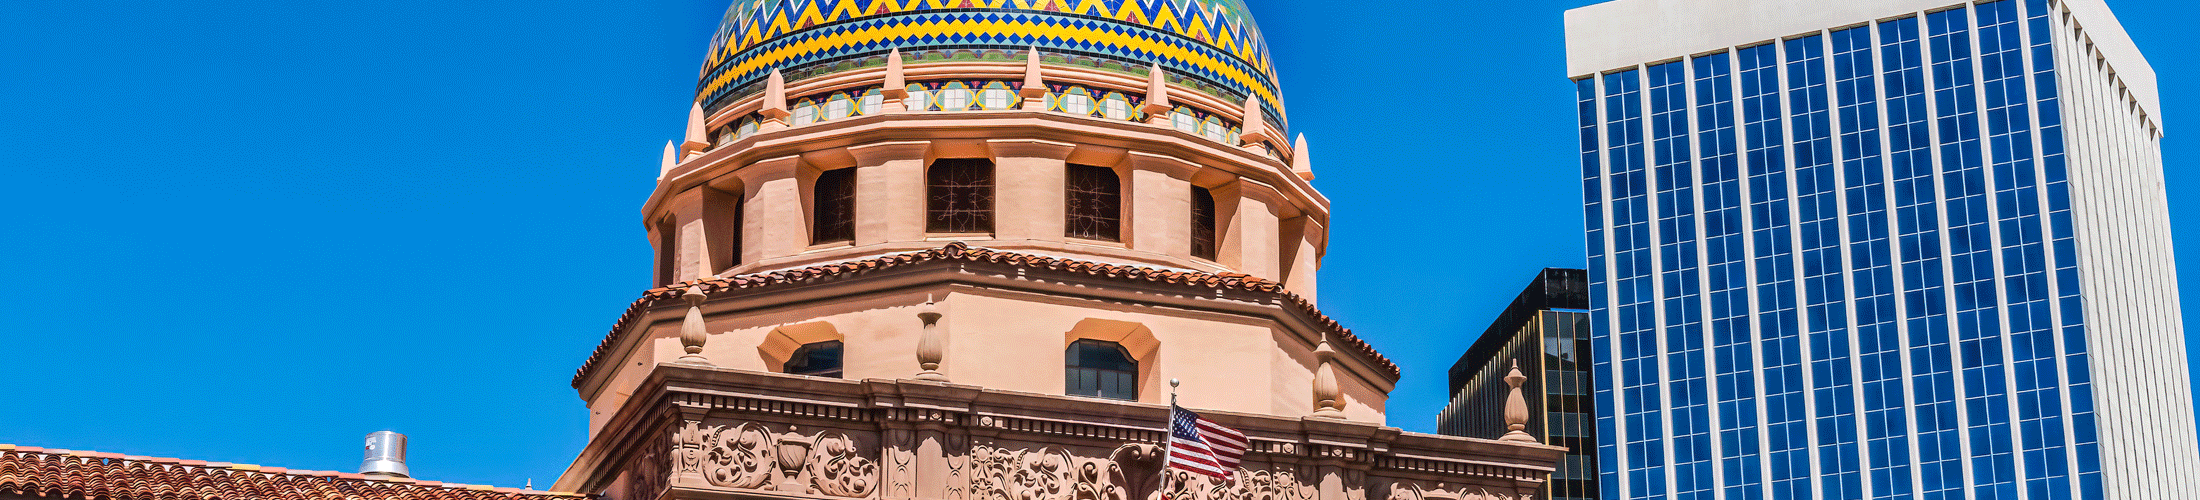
(1168, 431)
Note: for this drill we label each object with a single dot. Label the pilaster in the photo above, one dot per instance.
(1028, 180)
(774, 226)
(889, 191)
(1303, 241)
(690, 255)
(1160, 197)
(1256, 230)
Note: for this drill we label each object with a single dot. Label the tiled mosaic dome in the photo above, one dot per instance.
(1214, 41)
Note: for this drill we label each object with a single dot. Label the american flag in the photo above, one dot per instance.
(1200, 446)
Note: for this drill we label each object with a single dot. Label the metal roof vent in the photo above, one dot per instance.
(385, 455)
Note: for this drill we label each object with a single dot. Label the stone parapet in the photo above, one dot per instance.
(710, 433)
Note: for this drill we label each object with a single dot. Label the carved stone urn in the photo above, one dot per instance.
(794, 452)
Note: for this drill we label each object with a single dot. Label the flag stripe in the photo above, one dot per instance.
(1201, 446)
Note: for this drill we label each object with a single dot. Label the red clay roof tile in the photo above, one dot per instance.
(61, 474)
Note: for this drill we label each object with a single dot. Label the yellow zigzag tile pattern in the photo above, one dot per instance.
(770, 58)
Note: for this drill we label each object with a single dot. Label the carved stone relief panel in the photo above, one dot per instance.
(1273, 482)
(784, 458)
(1415, 490)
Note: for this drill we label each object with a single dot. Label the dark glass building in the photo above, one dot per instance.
(1546, 331)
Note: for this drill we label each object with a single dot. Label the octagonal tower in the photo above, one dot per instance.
(927, 233)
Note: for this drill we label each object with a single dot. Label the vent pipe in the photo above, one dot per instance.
(385, 455)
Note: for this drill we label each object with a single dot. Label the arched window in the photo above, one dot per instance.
(1203, 223)
(834, 199)
(960, 192)
(1095, 203)
(820, 359)
(1102, 369)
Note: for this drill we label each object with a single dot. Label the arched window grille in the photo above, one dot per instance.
(1203, 223)
(960, 196)
(1101, 369)
(1095, 203)
(818, 359)
(834, 199)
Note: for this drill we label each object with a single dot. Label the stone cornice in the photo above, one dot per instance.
(1229, 293)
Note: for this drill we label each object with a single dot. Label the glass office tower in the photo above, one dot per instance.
(1878, 249)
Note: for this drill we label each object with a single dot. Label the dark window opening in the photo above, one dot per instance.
(1101, 369)
(667, 250)
(835, 207)
(1095, 203)
(821, 359)
(960, 192)
(1203, 223)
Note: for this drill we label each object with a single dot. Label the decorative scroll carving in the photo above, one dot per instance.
(735, 458)
(1002, 474)
(1404, 490)
(752, 456)
(838, 469)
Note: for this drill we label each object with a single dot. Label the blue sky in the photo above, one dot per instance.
(254, 231)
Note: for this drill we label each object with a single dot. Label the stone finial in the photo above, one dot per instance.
(1157, 95)
(896, 87)
(775, 97)
(1255, 130)
(698, 131)
(1035, 87)
(931, 346)
(692, 334)
(672, 159)
(1328, 398)
(1516, 408)
(1302, 162)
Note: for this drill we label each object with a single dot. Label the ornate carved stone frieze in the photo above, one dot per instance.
(915, 440)
(1409, 490)
(754, 456)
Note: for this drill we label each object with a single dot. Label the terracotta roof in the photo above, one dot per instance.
(40, 472)
(958, 251)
